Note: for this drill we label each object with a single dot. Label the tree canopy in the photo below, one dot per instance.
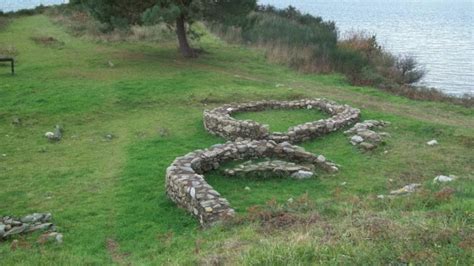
(177, 13)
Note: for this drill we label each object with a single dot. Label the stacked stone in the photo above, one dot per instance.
(362, 135)
(186, 186)
(272, 168)
(10, 226)
(220, 122)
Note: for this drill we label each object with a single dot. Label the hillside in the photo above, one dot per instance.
(129, 109)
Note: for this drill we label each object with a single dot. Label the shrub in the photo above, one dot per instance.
(408, 70)
(378, 68)
(4, 21)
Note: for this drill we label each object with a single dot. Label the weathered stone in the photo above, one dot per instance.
(356, 139)
(406, 189)
(16, 230)
(2, 230)
(302, 174)
(364, 137)
(444, 179)
(220, 122)
(367, 146)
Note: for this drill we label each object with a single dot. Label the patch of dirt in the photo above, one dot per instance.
(48, 41)
(113, 248)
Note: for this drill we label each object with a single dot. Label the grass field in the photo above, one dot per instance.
(107, 195)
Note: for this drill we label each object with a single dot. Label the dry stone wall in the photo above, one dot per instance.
(219, 121)
(185, 183)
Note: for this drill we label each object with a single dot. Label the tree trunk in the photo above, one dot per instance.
(184, 47)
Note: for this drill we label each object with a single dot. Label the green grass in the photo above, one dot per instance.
(103, 190)
(281, 120)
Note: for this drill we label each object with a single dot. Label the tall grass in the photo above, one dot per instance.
(81, 23)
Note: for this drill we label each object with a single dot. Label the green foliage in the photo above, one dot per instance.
(158, 14)
(116, 13)
(290, 27)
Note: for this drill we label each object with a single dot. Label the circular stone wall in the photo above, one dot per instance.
(185, 184)
(219, 121)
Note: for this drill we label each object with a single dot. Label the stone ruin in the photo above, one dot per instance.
(362, 135)
(185, 183)
(36, 222)
(273, 168)
(220, 122)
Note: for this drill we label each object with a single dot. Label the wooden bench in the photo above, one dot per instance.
(9, 59)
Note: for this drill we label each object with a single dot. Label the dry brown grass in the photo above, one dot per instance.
(48, 41)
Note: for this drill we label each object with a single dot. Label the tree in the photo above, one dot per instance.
(179, 14)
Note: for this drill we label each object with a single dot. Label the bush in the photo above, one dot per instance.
(377, 67)
(4, 21)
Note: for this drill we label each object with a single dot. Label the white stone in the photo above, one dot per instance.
(49, 135)
(432, 142)
(192, 192)
(208, 209)
(247, 188)
(380, 196)
(321, 159)
(302, 174)
(356, 139)
(59, 238)
(343, 183)
(444, 179)
(406, 189)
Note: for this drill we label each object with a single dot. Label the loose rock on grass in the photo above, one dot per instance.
(362, 135)
(12, 226)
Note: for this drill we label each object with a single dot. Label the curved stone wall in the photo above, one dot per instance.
(185, 183)
(220, 122)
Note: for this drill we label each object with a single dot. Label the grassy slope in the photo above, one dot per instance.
(107, 197)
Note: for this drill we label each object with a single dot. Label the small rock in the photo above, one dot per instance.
(59, 238)
(367, 146)
(321, 159)
(49, 135)
(32, 218)
(380, 196)
(2, 230)
(48, 237)
(302, 174)
(4, 155)
(16, 230)
(343, 183)
(247, 188)
(406, 189)
(208, 209)
(432, 142)
(40, 227)
(290, 200)
(111, 64)
(444, 179)
(356, 139)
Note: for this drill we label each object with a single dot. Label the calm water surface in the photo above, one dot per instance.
(13, 5)
(439, 33)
